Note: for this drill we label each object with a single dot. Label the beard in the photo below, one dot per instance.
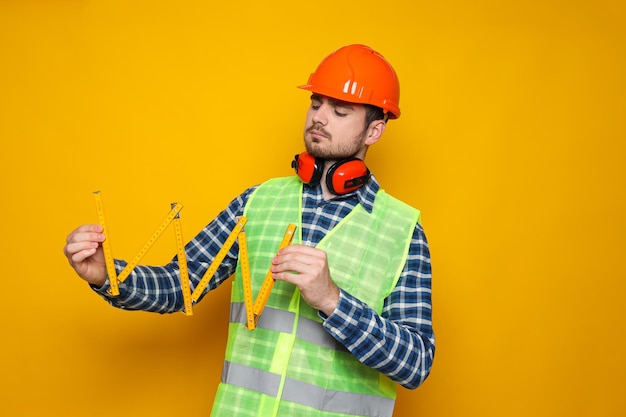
(332, 151)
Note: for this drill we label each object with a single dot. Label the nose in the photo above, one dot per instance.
(320, 116)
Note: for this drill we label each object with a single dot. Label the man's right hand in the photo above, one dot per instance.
(83, 250)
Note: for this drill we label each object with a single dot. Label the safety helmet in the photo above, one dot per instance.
(358, 74)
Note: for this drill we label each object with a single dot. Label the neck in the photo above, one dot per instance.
(325, 191)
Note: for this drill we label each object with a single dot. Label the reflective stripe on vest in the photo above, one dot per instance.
(306, 394)
(290, 365)
(282, 321)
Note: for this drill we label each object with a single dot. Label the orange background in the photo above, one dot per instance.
(511, 142)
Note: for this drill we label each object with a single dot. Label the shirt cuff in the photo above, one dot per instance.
(103, 289)
(106, 286)
(343, 323)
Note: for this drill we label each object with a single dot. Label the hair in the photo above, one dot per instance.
(374, 113)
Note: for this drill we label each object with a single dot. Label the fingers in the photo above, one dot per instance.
(83, 250)
(83, 242)
(301, 252)
(78, 252)
(86, 231)
(307, 268)
(299, 259)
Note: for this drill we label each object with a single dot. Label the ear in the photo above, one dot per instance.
(375, 131)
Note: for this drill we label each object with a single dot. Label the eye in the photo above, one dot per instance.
(315, 104)
(340, 114)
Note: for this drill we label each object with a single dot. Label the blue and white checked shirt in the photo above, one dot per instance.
(399, 343)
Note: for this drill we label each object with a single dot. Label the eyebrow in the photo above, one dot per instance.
(332, 101)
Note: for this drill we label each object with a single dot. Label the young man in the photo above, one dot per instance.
(349, 317)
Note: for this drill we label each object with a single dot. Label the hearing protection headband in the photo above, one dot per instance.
(343, 177)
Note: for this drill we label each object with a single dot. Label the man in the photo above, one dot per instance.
(349, 316)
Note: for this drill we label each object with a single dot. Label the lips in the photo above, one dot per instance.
(318, 133)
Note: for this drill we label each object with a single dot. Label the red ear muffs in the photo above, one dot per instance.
(343, 176)
(308, 168)
(347, 175)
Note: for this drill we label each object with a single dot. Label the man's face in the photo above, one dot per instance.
(335, 129)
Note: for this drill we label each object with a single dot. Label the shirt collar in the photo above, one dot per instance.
(364, 195)
(367, 193)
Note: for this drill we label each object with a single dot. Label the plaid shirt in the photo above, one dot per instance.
(399, 343)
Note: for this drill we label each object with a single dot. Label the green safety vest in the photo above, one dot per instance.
(290, 365)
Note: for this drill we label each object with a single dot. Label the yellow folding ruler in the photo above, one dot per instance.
(253, 309)
(221, 254)
(253, 312)
(115, 280)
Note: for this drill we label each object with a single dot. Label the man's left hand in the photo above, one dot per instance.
(307, 268)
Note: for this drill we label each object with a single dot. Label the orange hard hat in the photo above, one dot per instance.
(358, 74)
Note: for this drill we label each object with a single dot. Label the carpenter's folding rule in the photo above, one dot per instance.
(253, 313)
(115, 280)
(253, 310)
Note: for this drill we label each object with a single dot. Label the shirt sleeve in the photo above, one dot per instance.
(157, 288)
(400, 342)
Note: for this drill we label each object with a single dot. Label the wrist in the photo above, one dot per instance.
(331, 302)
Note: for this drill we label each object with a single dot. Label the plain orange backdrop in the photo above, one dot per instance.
(511, 142)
